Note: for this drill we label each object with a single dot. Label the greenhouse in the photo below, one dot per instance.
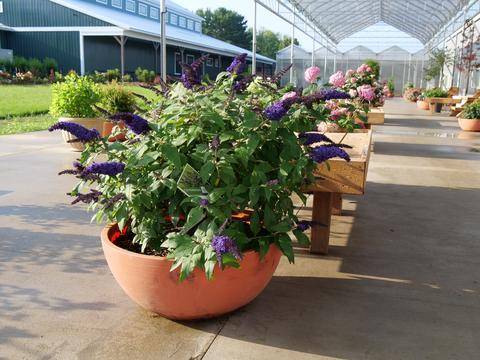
(215, 180)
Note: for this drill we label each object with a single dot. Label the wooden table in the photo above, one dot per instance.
(342, 178)
(376, 116)
(444, 101)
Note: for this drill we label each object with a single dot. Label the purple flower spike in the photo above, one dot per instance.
(272, 182)
(238, 64)
(310, 138)
(92, 196)
(135, 123)
(215, 143)
(110, 168)
(223, 244)
(204, 202)
(304, 225)
(81, 133)
(190, 75)
(326, 152)
(332, 94)
(275, 111)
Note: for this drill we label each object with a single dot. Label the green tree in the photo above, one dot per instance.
(226, 25)
(269, 42)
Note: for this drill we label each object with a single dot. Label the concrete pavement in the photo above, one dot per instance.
(401, 281)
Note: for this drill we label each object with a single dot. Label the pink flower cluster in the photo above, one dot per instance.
(364, 68)
(337, 79)
(366, 92)
(289, 95)
(312, 74)
(336, 111)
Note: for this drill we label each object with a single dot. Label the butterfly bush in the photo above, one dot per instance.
(209, 173)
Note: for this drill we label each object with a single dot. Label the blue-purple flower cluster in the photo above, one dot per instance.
(326, 152)
(276, 111)
(223, 244)
(323, 95)
(80, 132)
(135, 123)
(310, 138)
(190, 72)
(238, 64)
(92, 196)
(304, 225)
(110, 168)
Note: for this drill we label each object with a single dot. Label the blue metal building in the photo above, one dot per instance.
(88, 35)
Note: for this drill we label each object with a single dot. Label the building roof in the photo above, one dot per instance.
(176, 8)
(175, 35)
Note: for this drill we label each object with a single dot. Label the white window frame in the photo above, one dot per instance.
(1, 7)
(117, 4)
(130, 5)
(174, 19)
(154, 13)
(190, 57)
(141, 6)
(176, 70)
(182, 22)
(217, 63)
(198, 26)
(104, 2)
(190, 24)
(210, 62)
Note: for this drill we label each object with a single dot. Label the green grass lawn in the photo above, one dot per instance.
(24, 108)
(19, 124)
(24, 100)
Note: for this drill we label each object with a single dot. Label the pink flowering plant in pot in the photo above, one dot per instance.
(206, 182)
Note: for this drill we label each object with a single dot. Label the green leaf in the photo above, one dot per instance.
(194, 217)
(254, 195)
(286, 245)
(206, 171)
(301, 237)
(171, 153)
(230, 260)
(283, 226)
(255, 223)
(251, 120)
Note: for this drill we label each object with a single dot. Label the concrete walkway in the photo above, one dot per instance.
(402, 280)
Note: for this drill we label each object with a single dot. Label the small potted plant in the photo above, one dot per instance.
(198, 201)
(469, 118)
(422, 103)
(73, 102)
(115, 99)
(436, 93)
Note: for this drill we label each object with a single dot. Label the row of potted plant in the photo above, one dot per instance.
(198, 191)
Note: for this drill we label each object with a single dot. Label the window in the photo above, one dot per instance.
(190, 59)
(154, 13)
(190, 24)
(130, 5)
(1, 7)
(182, 21)
(174, 19)
(178, 64)
(198, 27)
(117, 4)
(104, 2)
(142, 9)
(209, 62)
(217, 63)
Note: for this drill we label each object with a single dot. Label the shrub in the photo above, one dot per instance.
(391, 84)
(117, 99)
(36, 67)
(412, 94)
(113, 75)
(97, 77)
(74, 97)
(144, 75)
(435, 93)
(127, 78)
(375, 65)
(472, 111)
(50, 64)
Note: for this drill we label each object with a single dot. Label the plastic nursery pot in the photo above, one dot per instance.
(89, 123)
(423, 105)
(469, 124)
(107, 130)
(438, 107)
(148, 281)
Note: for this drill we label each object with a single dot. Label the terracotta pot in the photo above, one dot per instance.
(469, 124)
(147, 280)
(423, 105)
(89, 123)
(107, 130)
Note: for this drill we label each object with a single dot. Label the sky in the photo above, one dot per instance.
(377, 37)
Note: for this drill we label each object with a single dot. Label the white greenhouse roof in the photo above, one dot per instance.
(421, 19)
(175, 35)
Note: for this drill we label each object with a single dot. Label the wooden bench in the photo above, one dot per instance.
(432, 102)
(337, 178)
(376, 116)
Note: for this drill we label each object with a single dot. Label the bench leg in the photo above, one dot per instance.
(432, 109)
(321, 218)
(336, 204)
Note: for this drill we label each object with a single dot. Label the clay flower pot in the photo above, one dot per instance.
(147, 280)
(89, 123)
(468, 124)
(107, 130)
(423, 105)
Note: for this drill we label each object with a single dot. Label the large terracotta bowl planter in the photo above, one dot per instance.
(423, 105)
(468, 124)
(89, 123)
(108, 128)
(147, 280)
